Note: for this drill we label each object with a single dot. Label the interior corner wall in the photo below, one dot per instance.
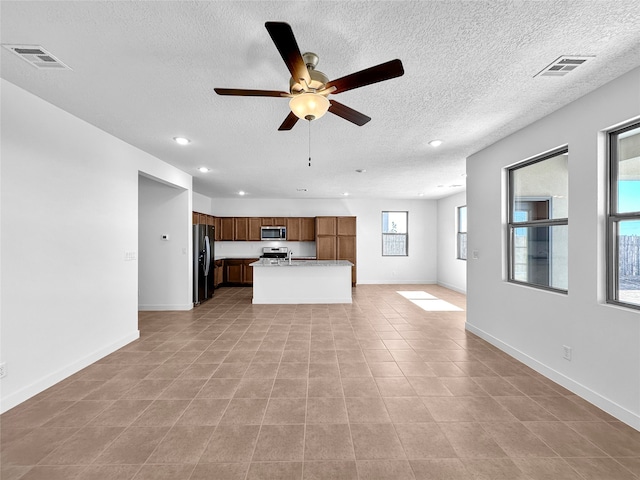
(532, 324)
(201, 203)
(452, 272)
(420, 266)
(163, 247)
(69, 216)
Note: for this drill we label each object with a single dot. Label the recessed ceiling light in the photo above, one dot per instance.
(346, 194)
(361, 170)
(454, 186)
(435, 143)
(301, 189)
(203, 169)
(182, 140)
(421, 194)
(241, 193)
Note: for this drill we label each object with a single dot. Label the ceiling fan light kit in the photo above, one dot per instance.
(309, 88)
(309, 106)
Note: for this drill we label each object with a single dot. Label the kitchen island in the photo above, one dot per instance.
(301, 281)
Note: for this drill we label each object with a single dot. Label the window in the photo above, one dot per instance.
(538, 222)
(624, 217)
(462, 233)
(394, 233)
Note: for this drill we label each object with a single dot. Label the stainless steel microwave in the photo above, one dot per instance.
(273, 233)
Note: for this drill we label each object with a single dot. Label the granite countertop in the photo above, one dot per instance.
(270, 262)
(236, 257)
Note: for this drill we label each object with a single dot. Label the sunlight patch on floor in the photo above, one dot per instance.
(428, 302)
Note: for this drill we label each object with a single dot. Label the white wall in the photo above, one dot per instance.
(533, 324)
(201, 203)
(452, 272)
(163, 264)
(419, 267)
(69, 212)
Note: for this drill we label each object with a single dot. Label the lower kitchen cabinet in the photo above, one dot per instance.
(238, 271)
(218, 273)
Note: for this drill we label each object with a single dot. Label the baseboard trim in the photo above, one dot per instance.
(452, 287)
(168, 308)
(397, 282)
(621, 413)
(16, 398)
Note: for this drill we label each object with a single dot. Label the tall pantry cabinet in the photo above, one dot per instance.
(336, 240)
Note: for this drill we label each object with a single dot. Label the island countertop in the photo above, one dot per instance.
(271, 262)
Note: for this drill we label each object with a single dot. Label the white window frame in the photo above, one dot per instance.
(512, 225)
(614, 218)
(389, 234)
(460, 234)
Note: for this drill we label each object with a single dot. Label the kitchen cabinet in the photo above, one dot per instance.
(233, 270)
(274, 221)
(307, 229)
(293, 229)
(326, 247)
(301, 229)
(238, 271)
(217, 228)
(325, 226)
(218, 273)
(241, 228)
(346, 225)
(227, 229)
(254, 228)
(336, 240)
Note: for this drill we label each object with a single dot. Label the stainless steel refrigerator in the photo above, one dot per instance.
(203, 262)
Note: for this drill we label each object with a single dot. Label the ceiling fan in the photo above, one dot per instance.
(309, 88)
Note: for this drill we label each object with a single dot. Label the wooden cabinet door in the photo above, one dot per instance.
(195, 218)
(326, 248)
(227, 227)
(254, 228)
(307, 229)
(279, 221)
(325, 226)
(247, 271)
(267, 222)
(346, 246)
(217, 229)
(293, 229)
(346, 225)
(233, 271)
(241, 228)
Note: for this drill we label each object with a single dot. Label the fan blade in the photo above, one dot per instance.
(250, 93)
(285, 42)
(289, 122)
(379, 73)
(348, 113)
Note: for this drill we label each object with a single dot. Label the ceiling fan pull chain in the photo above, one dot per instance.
(309, 142)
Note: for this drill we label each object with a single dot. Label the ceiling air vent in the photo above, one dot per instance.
(37, 56)
(563, 65)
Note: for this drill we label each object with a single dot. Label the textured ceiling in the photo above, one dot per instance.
(145, 72)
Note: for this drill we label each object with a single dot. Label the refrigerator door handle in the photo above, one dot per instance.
(207, 254)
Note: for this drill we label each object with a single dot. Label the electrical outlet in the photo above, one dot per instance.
(3, 370)
(566, 352)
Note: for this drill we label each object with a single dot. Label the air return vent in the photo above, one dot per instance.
(563, 65)
(37, 56)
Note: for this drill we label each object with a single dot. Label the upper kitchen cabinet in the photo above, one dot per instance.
(241, 225)
(254, 228)
(301, 229)
(293, 229)
(325, 226)
(346, 225)
(274, 221)
(227, 228)
(307, 229)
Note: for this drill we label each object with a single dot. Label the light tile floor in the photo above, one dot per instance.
(380, 389)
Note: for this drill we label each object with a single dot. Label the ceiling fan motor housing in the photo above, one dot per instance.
(318, 79)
